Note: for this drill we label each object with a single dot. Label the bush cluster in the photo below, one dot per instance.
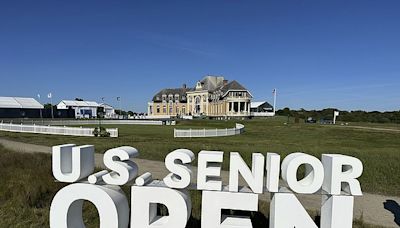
(101, 132)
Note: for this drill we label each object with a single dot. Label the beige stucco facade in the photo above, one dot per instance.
(212, 97)
(166, 109)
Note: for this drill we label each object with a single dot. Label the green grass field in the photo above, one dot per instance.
(27, 189)
(378, 150)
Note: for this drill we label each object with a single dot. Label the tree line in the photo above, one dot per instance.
(345, 116)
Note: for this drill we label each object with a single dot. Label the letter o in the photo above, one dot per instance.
(111, 203)
(313, 179)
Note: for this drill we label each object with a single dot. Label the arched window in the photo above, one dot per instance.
(197, 107)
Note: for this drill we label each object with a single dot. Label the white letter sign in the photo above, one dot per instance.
(330, 177)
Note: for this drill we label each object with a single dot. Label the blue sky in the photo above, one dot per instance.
(339, 53)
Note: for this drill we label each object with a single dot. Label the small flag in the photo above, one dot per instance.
(49, 95)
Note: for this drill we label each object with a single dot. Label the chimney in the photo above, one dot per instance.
(224, 82)
(184, 86)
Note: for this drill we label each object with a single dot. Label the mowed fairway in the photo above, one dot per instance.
(378, 150)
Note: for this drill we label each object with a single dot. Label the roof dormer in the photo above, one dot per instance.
(199, 86)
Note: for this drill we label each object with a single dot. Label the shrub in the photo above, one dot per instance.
(101, 132)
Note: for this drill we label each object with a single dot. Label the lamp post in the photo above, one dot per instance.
(100, 115)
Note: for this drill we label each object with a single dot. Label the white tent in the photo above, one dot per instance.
(20, 102)
(83, 109)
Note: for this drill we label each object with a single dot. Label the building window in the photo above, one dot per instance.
(158, 108)
(177, 109)
(197, 106)
(183, 109)
(170, 106)
(164, 109)
(151, 109)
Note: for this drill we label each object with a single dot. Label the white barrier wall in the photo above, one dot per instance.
(92, 122)
(262, 114)
(54, 130)
(189, 133)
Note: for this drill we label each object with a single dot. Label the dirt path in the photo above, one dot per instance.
(375, 128)
(366, 128)
(370, 206)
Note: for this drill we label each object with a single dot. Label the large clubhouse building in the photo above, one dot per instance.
(213, 96)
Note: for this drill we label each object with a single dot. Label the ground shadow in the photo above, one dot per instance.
(393, 207)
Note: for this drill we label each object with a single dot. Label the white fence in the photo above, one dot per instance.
(53, 130)
(262, 114)
(189, 133)
(92, 122)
